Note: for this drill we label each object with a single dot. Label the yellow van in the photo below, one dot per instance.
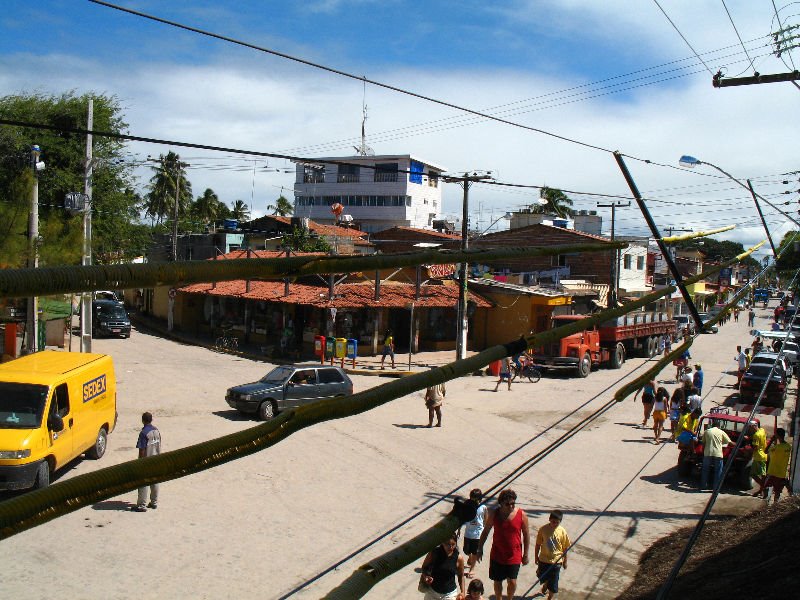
(54, 406)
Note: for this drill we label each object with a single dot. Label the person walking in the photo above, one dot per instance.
(388, 347)
(714, 440)
(751, 318)
(550, 553)
(741, 363)
(505, 373)
(660, 413)
(676, 403)
(780, 452)
(149, 444)
(697, 379)
(758, 440)
(510, 543)
(434, 398)
(648, 391)
(735, 315)
(473, 531)
(443, 572)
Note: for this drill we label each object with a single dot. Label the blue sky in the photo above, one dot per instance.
(538, 59)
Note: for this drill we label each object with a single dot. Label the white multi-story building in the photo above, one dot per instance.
(377, 192)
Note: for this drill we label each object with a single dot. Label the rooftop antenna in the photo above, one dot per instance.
(363, 149)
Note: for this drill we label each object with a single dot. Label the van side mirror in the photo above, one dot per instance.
(55, 423)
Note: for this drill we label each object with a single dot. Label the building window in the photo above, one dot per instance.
(433, 179)
(386, 172)
(415, 176)
(559, 260)
(313, 174)
(640, 263)
(347, 174)
(628, 261)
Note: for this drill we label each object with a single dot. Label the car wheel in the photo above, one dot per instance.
(266, 410)
(97, 451)
(585, 366)
(42, 475)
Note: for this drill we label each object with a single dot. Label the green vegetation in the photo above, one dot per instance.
(117, 234)
(301, 240)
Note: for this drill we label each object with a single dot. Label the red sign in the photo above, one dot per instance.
(440, 271)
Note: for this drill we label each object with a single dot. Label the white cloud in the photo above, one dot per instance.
(265, 105)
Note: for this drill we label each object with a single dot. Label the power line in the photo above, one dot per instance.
(351, 76)
(682, 37)
(737, 33)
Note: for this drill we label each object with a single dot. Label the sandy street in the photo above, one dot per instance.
(265, 525)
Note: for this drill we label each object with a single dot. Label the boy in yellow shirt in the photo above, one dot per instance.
(550, 553)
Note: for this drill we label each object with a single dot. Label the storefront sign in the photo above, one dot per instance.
(440, 271)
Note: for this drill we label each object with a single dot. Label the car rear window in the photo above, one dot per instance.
(330, 376)
(759, 370)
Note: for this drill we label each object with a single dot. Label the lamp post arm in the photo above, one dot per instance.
(754, 193)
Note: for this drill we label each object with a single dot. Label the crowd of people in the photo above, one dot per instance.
(770, 459)
(444, 571)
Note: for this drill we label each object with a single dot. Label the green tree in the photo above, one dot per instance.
(302, 240)
(790, 259)
(556, 202)
(207, 207)
(240, 211)
(282, 207)
(114, 212)
(159, 202)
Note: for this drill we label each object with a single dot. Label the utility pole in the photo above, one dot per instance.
(461, 318)
(613, 288)
(32, 328)
(661, 245)
(761, 214)
(178, 165)
(86, 259)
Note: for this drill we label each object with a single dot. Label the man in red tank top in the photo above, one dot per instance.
(510, 543)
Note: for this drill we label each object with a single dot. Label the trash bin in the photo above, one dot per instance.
(352, 350)
(330, 348)
(319, 347)
(340, 349)
(494, 368)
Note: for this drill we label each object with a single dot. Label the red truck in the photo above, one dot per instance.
(609, 344)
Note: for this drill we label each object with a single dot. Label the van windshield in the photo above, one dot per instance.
(21, 405)
(278, 375)
(114, 312)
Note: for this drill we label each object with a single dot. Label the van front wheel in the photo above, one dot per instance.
(42, 475)
(99, 448)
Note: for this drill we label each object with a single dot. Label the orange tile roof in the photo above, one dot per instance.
(348, 295)
(234, 254)
(322, 229)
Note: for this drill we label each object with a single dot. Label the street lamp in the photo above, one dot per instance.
(690, 162)
(506, 216)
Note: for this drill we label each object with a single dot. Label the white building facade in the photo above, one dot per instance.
(376, 192)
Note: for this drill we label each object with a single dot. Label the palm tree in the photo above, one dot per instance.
(556, 202)
(240, 211)
(281, 207)
(208, 207)
(160, 199)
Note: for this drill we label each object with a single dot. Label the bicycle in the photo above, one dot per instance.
(528, 371)
(227, 342)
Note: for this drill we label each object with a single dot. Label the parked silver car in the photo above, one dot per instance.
(289, 386)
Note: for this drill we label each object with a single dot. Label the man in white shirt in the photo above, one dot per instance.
(741, 360)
